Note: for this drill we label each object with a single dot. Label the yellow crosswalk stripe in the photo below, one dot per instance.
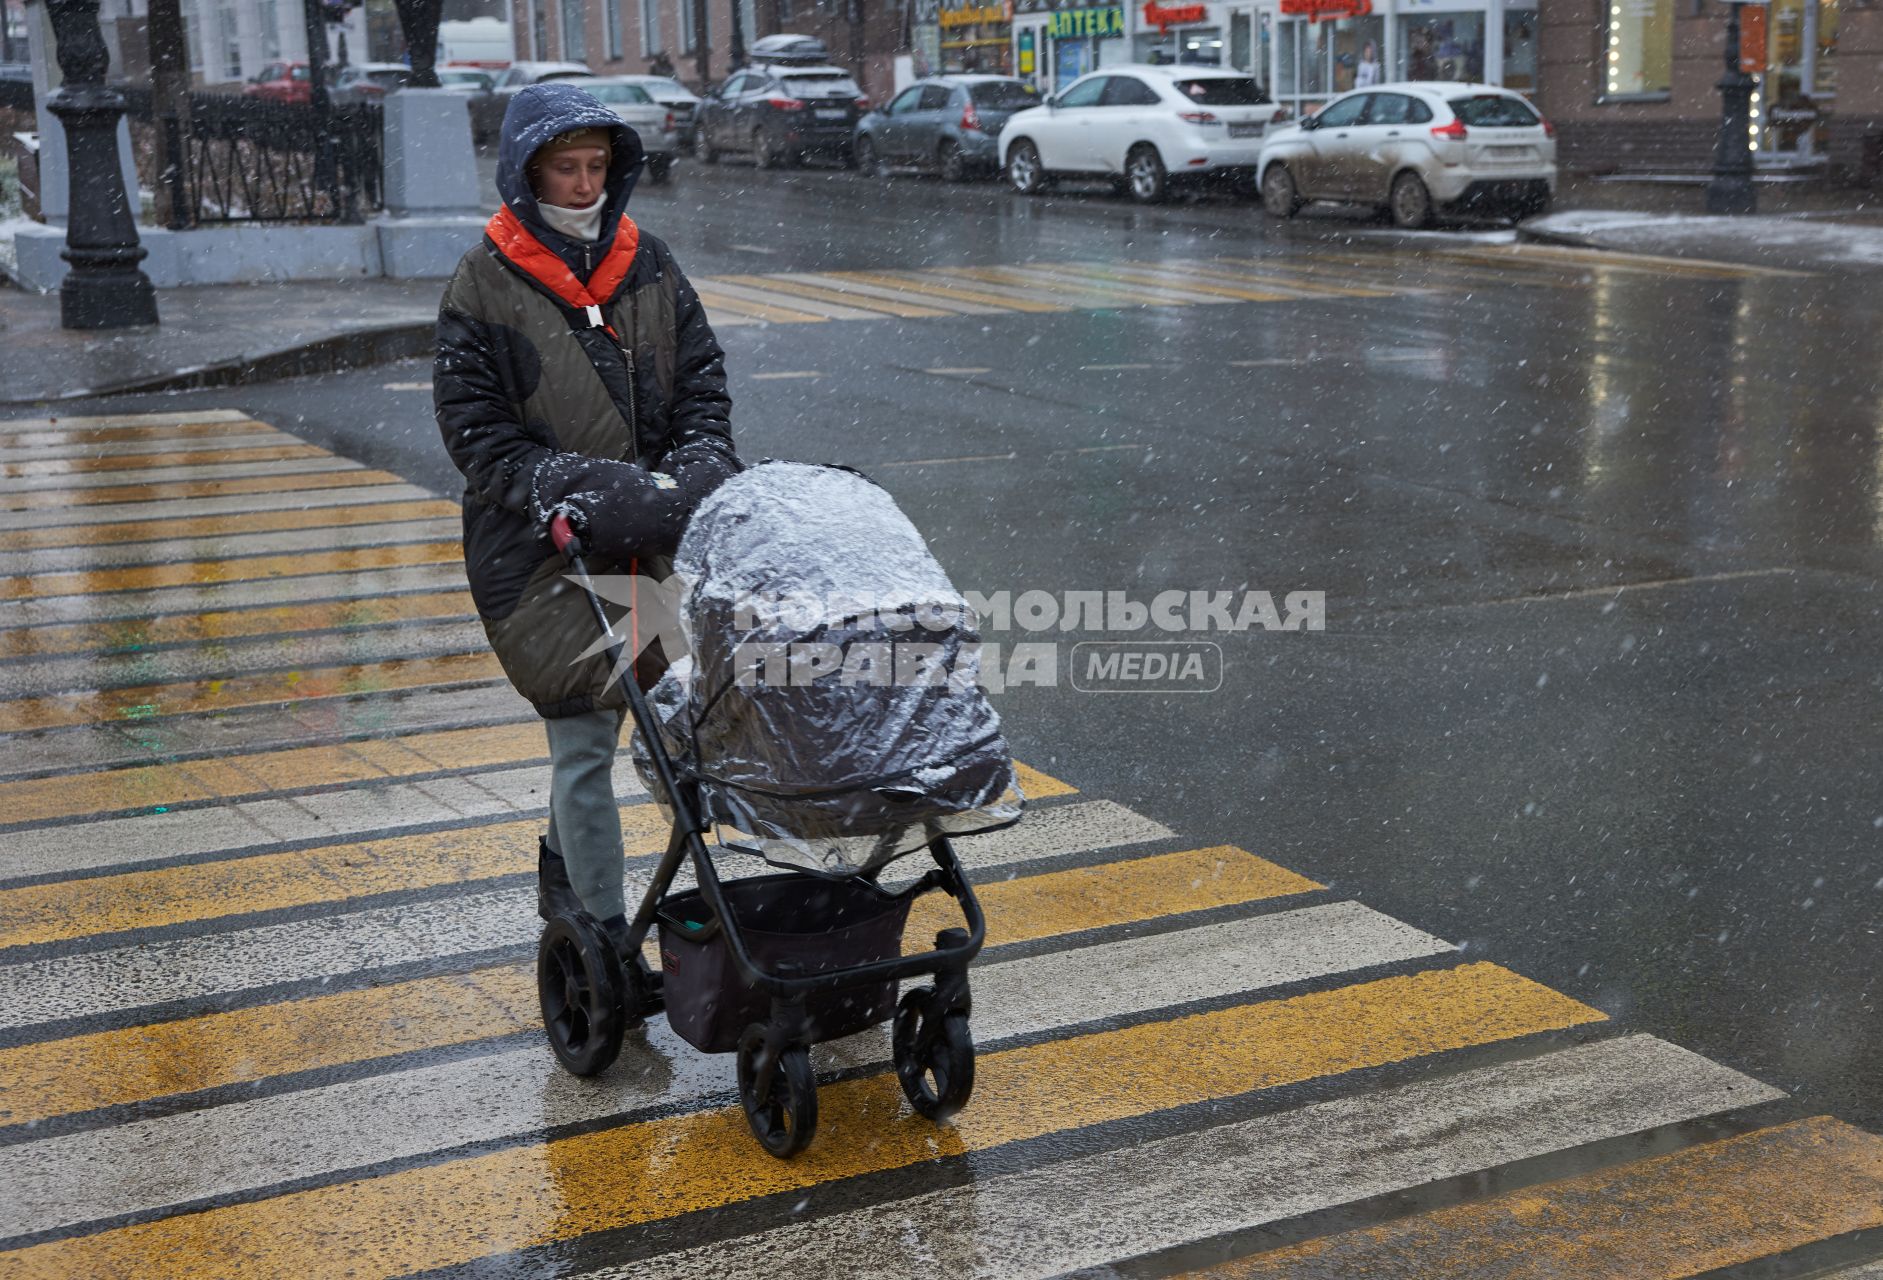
(146, 461)
(1042, 284)
(1545, 256)
(230, 624)
(458, 1211)
(718, 300)
(48, 499)
(311, 517)
(53, 1078)
(1073, 279)
(1188, 283)
(68, 421)
(1694, 1211)
(802, 287)
(60, 434)
(300, 564)
(235, 776)
(1289, 283)
(784, 296)
(142, 702)
(922, 284)
(844, 288)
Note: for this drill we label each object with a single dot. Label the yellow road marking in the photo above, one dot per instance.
(234, 777)
(228, 624)
(1039, 786)
(1044, 284)
(51, 711)
(1582, 259)
(269, 882)
(784, 295)
(455, 1212)
(1684, 1214)
(87, 535)
(1115, 893)
(861, 302)
(135, 1064)
(66, 421)
(146, 461)
(299, 564)
(1268, 271)
(1192, 284)
(927, 283)
(845, 285)
(43, 499)
(56, 436)
(718, 299)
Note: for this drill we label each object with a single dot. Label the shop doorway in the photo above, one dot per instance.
(1790, 44)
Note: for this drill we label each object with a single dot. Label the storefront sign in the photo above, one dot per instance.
(1099, 23)
(974, 15)
(1752, 42)
(1164, 17)
(1316, 10)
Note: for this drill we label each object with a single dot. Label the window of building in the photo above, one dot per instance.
(1520, 50)
(228, 43)
(574, 33)
(270, 22)
(1445, 46)
(539, 29)
(690, 33)
(1640, 49)
(785, 10)
(611, 27)
(651, 43)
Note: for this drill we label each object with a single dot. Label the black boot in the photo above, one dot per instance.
(554, 893)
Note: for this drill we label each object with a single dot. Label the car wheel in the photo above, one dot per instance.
(704, 149)
(1411, 203)
(869, 164)
(1024, 171)
(848, 157)
(764, 155)
(950, 162)
(1144, 170)
(659, 168)
(1279, 195)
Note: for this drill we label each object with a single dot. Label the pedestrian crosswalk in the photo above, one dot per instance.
(801, 297)
(267, 1000)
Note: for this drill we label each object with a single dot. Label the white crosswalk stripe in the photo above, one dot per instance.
(228, 546)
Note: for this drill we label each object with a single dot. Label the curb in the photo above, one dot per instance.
(358, 349)
(1530, 235)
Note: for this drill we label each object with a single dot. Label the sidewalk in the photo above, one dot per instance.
(1808, 226)
(214, 336)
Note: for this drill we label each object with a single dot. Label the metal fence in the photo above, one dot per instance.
(15, 94)
(252, 160)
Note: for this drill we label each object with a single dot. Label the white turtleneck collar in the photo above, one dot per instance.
(577, 224)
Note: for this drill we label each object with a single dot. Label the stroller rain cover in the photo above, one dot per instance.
(830, 704)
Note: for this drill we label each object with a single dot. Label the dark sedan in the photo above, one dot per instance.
(950, 124)
(780, 114)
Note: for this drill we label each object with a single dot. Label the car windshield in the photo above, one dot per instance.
(1224, 91)
(1493, 111)
(669, 86)
(620, 93)
(824, 86)
(391, 79)
(1003, 95)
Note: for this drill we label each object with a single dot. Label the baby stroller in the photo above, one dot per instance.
(832, 777)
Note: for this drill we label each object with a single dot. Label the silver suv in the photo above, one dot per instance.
(1417, 150)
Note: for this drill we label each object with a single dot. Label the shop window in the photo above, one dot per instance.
(1520, 50)
(1445, 46)
(574, 37)
(1356, 47)
(1640, 48)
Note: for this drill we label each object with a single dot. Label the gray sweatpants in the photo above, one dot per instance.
(584, 823)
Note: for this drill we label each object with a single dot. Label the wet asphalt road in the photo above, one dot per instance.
(1598, 691)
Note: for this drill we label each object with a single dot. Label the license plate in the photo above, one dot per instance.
(829, 113)
(1245, 130)
(1510, 153)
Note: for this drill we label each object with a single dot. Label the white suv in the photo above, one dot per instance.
(1144, 127)
(1415, 149)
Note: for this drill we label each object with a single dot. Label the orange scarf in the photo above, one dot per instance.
(543, 265)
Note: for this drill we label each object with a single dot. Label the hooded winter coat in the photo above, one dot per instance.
(566, 375)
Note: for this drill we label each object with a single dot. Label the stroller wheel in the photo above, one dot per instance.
(934, 1055)
(780, 1104)
(580, 984)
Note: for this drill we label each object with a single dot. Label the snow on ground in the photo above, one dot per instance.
(1833, 241)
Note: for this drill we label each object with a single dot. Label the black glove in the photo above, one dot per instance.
(636, 514)
(699, 468)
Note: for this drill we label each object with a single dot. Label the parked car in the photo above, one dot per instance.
(487, 113)
(780, 114)
(369, 81)
(950, 124)
(469, 80)
(1144, 127)
(670, 93)
(1416, 150)
(281, 82)
(653, 121)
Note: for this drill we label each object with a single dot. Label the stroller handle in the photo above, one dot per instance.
(561, 532)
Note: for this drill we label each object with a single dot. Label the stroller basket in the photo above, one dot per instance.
(792, 925)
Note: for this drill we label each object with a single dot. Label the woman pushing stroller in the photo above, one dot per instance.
(576, 376)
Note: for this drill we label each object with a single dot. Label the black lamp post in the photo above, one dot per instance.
(418, 19)
(1731, 191)
(105, 289)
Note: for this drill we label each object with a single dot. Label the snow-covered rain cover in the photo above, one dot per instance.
(831, 704)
